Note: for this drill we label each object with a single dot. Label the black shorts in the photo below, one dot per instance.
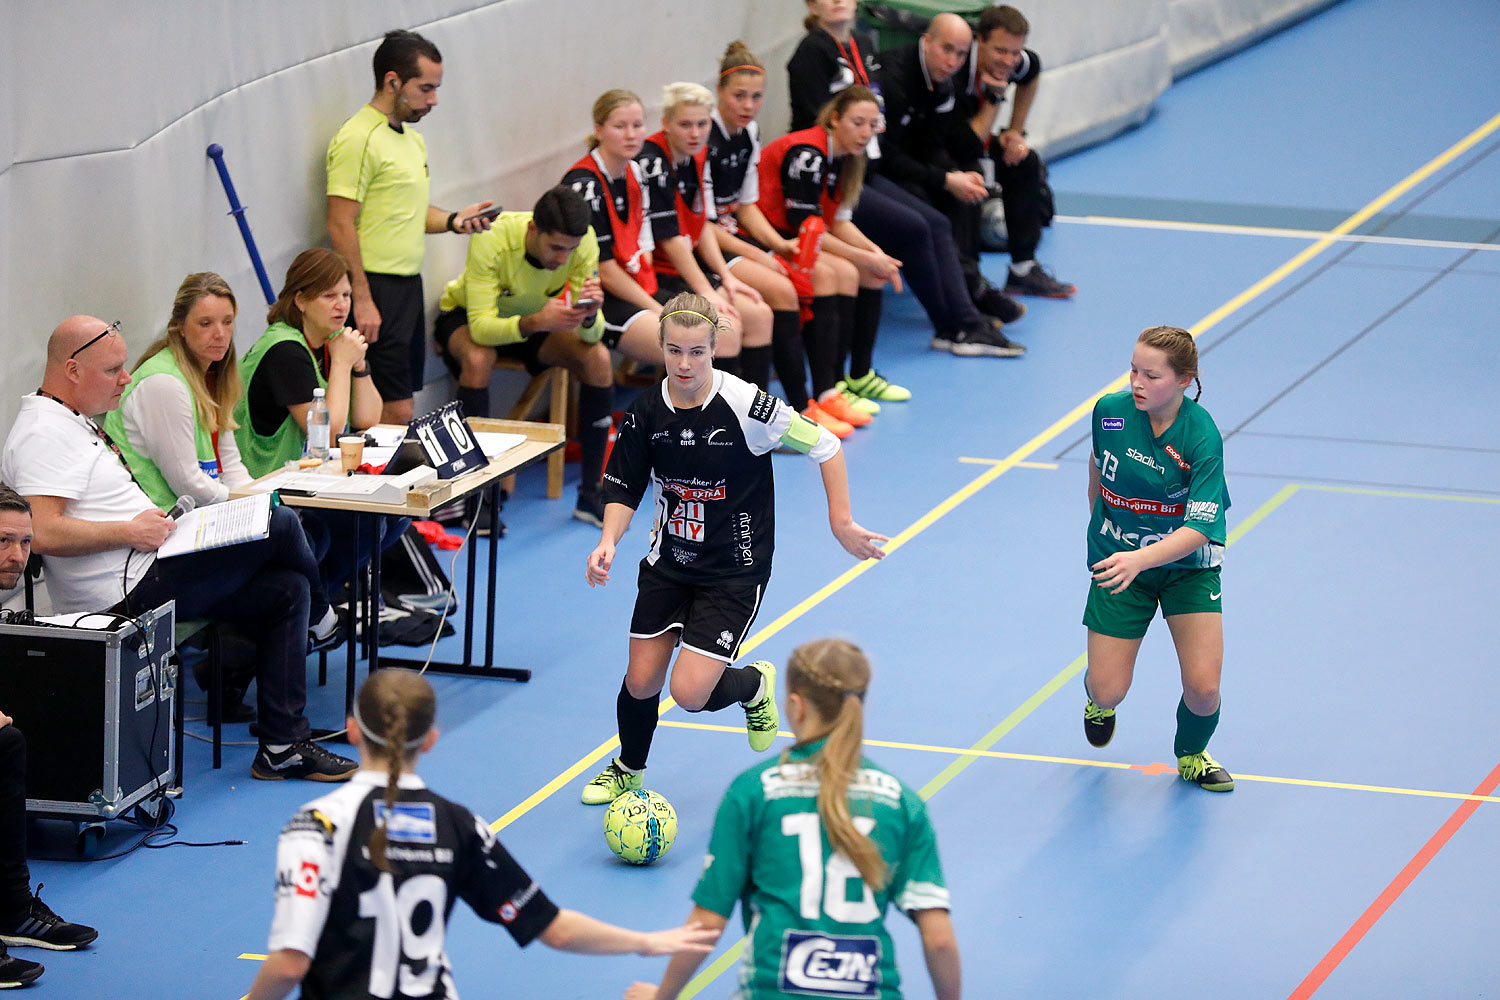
(398, 358)
(524, 351)
(676, 284)
(712, 621)
(618, 314)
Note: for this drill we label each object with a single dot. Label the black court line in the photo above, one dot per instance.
(1323, 268)
(1372, 441)
(1312, 480)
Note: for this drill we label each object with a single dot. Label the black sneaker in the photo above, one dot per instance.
(335, 638)
(301, 760)
(39, 927)
(1038, 282)
(17, 972)
(993, 302)
(590, 509)
(941, 340)
(1205, 772)
(1098, 724)
(984, 343)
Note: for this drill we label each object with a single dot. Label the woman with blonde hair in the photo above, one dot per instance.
(702, 442)
(176, 417)
(363, 868)
(817, 846)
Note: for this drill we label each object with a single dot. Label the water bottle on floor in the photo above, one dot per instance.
(317, 427)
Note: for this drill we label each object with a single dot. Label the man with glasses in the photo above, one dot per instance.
(98, 533)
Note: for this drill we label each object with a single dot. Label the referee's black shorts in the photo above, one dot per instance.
(712, 621)
(398, 357)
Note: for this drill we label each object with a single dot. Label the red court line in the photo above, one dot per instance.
(1398, 885)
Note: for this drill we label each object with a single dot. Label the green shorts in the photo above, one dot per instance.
(1178, 591)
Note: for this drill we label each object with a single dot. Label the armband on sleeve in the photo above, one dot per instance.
(801, 434)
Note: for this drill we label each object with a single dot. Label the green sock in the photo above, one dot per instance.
(1193, 731)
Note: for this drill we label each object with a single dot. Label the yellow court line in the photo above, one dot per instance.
(1274, 231)
(1458, 498)
(1115, 765)
(996, 461)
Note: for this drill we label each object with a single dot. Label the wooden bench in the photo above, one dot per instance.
(554, 381)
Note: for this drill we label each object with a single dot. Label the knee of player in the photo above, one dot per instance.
(1201, 698)
(687, 698)
(594, 368)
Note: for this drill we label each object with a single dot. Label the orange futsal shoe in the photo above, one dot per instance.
(836, 406)
(828, 421)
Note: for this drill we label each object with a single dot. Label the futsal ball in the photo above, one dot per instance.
(992, 232)
(639, 826)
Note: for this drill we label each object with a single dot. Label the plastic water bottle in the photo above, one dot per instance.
(317, 427)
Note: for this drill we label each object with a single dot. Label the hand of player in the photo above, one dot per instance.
(965, 185)
(5, 720)
(1013, 147)
(592, 289)
(690, 937)
(148, 530)
(366, 317)
(468, 220)
(886, 267)
(1116, 572)
(600, 560)
(640, 991)
(724, 306)
(859, 542)
(558, 315)
(788, 249)
(346, 349)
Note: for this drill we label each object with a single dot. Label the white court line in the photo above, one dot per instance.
(1295, 234)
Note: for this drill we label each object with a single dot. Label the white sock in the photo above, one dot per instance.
(1022, 268)
(760, 692)
(276, 747)
(325, 626)
(628, 770)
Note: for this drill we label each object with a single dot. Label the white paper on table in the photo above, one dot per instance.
(275, 480)
(386, 437)
(494, 443)
(220, 524)
(378, 458)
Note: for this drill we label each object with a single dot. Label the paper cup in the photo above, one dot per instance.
(352, 451)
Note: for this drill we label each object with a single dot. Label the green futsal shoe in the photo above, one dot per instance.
(871, 386)
(761, 718)
(857, 401)
(1206, 772)
(609, 784)
(1098, 724)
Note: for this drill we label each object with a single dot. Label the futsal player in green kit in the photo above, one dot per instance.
(1156, 537)
(816, 847)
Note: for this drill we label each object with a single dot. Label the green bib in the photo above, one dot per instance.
(263, 454)
(142, 468)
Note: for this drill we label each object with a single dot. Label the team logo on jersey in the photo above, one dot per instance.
(806, 162)
(1176, 458)
(686, 437)
(763, 408)
(830, 965)
(726, 638)
(713, 434)
(408, 822)
(306, 882)
(1112, 424)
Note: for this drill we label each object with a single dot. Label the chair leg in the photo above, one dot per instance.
(216, 695)
(557, 414)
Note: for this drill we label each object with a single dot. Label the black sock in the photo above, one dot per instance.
(729, 365)
(821, 335)
(637, 720)
(791, 359)
(476, 402)
(594, 406)
(866, 324)
(846, 330)
(736, 684)
(755, 365)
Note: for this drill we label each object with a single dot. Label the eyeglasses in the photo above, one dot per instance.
(112, 328)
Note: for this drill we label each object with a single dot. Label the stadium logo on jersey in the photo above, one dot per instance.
(726, 638)
(686, 437)
(1202, 510)
(1112, 424)
(408, 822)
(808, 161)
(1146, 460)
(830, 965)
(764, 407)
(1185, 467)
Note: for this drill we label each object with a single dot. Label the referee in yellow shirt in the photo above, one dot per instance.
(530, 291)
(378, 212)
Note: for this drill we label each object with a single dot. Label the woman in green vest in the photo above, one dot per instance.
(175, 416)
(308, 347)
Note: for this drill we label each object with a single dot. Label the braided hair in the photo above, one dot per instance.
(394, 711)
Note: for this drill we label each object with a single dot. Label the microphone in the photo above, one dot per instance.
(181, 507)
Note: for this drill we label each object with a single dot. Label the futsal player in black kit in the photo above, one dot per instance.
(367, 876)
(703, 441)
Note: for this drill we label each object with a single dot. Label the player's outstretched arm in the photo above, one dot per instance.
(581, 933)
(616, 519)
(940, 947)
(682, 966)
(279, 974)
(859, 542)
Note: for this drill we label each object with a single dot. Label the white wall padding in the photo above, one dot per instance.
(1200, 31)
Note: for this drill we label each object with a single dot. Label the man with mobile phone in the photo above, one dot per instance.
(378, 214)
(530, 291)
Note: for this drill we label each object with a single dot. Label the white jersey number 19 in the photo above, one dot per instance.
(397, 947)
(829, 884)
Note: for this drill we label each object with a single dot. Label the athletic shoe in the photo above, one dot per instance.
(17, 972)
(857, 401)
(1098, 723)
(761, 718)
(589, 510)
(39, 927)
(609, 784)
(941, 341)
(871, 385)
(301, 760)
(993, 302)
(984, 343)
(333, 639)
(828, 421)
(1037, 282)
(1205, 772)
(837, 407)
